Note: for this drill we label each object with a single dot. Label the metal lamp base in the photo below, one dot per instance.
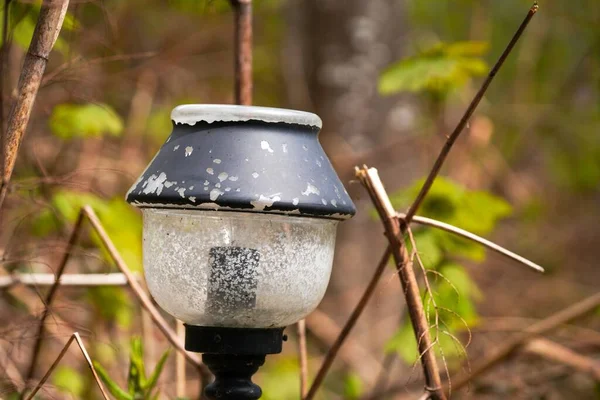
(233, 355)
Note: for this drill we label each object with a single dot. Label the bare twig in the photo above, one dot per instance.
(141, 294)
(353, 353)
(51, 294)
(508, 348)
(82, 280)
(52, 14)
(564, 316)
(303, 357)
(471, 236)
(356, 313)
(555, 352)
(88, 360)
(243, 51)
(180, 364)
(467, 115)
(395, 233)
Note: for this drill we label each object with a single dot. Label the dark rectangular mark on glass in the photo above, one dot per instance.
(233, 278)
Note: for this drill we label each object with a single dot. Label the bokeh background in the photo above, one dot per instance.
(390, 79)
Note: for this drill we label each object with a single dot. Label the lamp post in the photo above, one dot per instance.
(240, 209)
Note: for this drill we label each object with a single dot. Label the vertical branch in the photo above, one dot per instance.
(302, 355)
(52, 15)
(243, 51)
(39, 337)
(180, 364)
(395, 233)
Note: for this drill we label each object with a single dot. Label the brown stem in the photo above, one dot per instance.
(558, 353)
(4, 54)
(437, 166)
(395, 231)
(75, 336)
(52, 14)
(563, 317)
(508, 348)
(243, 51)
(39, 337)
(356, 313)
(303, 357)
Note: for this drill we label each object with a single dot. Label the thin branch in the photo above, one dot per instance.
(51, 294)
(303, 357)
(513, 344)
(395, 231)
(82, 280)
(75, 336)
(180, 364)
(555, 352)
(51, 17)
(467, 115)
(243, 51)
(141, 294)
(356, 313)
(562, 317)
(471, 236)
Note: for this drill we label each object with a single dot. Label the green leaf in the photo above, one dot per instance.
(438, 69)
(23, 18)
(404, 343)
(279, 380)
(70, 121)
(68, 380)
(153, 379)
(136, 379)
(122, 223)
(112, 304)
(428, 247)
(111, 385)
(353, 387)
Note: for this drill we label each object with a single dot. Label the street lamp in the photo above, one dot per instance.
(240, 209)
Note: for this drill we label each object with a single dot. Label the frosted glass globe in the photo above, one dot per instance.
(234, 269)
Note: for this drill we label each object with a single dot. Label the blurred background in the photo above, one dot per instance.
(390, 79)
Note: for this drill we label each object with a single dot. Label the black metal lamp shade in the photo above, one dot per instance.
(243, 158)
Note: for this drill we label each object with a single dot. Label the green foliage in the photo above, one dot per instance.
(139, 386)
(279, 381)
(23, 17)
(70, 121)
(69, 380)
(353, 387)
(454, 292)
(122, 223)
(439, 69)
